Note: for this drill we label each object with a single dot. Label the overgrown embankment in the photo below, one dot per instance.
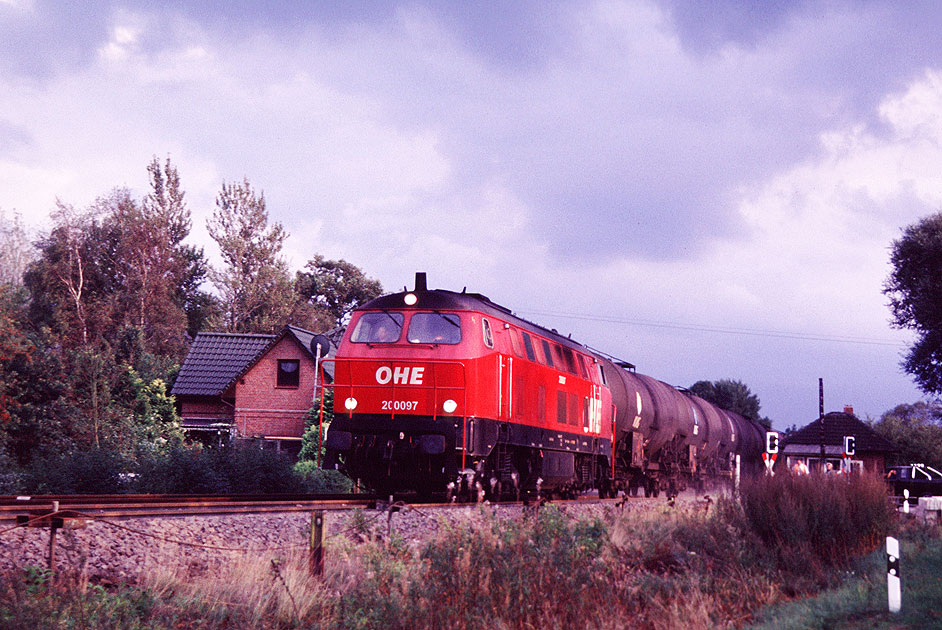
(697, 565)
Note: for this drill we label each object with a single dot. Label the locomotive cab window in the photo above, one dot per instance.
(289, 371)
(435, 328)
(488, 337)
(378, 328)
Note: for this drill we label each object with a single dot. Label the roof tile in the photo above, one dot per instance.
(836, 426)
(216, 360)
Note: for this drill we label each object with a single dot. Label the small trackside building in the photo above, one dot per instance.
(871, 449)
(247, 387)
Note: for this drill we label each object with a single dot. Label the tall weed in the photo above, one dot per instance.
(540, 570)
(815, 523)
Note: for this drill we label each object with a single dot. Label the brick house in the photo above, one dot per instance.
(871, 452)
(247, 387)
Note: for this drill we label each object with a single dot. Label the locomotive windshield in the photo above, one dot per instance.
(378, 328)
(435, 328)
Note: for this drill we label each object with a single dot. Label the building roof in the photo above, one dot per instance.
(216, 360)
(836, 426)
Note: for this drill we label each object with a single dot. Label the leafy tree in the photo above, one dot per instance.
(32, 412)
(122, 263)
(166, 207)
(255, 286)
(733, 396)
(914, 288)
(151, 409)
(89, 390)
(63, 281)
(16, 251)
(917, 431)
(112, 284)
(331, 289)
(311, 441)
(146, 274)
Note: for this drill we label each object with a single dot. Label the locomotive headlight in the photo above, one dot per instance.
(449, 406)
(350, 404)
(410, 299)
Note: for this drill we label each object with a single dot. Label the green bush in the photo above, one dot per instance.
(96, 471)
(314, 479)
(10, 475)
(249, 470)
(311, 441)
(236, 469)
(179, 470)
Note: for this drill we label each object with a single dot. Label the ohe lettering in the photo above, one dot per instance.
(400, 375)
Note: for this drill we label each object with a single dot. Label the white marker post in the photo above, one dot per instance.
(905, 501)
(894, 595)
(736, 476)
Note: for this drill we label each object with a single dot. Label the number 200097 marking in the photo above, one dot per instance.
(400, 405)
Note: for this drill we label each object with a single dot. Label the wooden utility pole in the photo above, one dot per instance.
(821, 419)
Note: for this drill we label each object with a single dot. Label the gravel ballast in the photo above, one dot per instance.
(114, 551)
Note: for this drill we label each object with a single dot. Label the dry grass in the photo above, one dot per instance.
(660, 568)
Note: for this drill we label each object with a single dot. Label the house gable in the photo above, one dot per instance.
(264, 409)
(229, 384)
(872, 449)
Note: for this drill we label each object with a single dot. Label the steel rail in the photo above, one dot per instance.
(77, 499)
(128, 506)
(23, 509)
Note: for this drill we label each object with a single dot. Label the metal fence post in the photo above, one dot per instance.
(52, 538)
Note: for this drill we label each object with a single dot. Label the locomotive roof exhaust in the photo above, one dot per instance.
(421, 284)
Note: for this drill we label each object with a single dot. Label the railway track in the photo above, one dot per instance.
(36, 509)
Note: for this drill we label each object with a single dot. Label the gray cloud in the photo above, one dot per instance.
(41, 38)
(599, 158)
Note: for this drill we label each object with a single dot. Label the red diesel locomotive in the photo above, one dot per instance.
(437, 391)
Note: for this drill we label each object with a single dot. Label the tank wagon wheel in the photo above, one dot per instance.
(652, 488)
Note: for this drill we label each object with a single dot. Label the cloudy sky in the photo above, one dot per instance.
(705, 192)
